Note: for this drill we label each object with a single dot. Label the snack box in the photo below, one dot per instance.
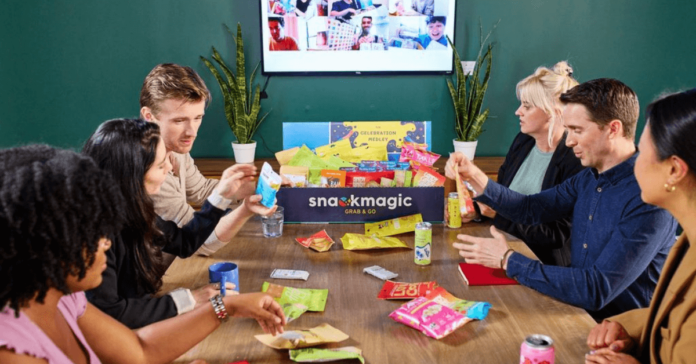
(360, 204)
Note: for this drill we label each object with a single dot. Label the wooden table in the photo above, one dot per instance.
(353, 308)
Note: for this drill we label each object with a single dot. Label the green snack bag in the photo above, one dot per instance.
(314, 299)
(314, 355)
(293, 311)
(408, 178)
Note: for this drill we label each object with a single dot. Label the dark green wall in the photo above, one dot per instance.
(66, 66)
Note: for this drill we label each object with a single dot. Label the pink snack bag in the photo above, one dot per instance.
(430, 318)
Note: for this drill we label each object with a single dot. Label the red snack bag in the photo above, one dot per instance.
(405, 291)
(320, 241)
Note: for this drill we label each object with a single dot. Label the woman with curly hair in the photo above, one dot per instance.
(132, 151)
(57, 212)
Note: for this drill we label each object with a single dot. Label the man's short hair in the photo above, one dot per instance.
(433, 19)
(171, 81)
(280, 20)
(367, 17)
(606, 99)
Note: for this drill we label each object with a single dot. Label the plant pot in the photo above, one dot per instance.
(467, 148)
(244, 153)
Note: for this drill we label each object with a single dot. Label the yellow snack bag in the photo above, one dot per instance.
(338, 148)
(284, 156)
(363, 242)
(404, 224)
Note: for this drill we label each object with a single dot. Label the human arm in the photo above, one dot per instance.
(606, 356)
(612, 334)
(344, 12)
(164, 341)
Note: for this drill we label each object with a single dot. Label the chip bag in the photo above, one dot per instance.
(315, 355)
(269, 184)
(405, 291)
(427, 177)
(321, 334)
(293, 311)
(471, 309)
(314, 299)
(429, 317)
(362, 242)
(400, 225)
(466, 203)
(320, 241)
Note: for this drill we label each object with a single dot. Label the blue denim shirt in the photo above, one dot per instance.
(618, 242)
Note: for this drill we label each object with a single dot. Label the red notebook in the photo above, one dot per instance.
(478, 275)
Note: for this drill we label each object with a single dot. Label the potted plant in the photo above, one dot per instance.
(241, 109)
(467, 97)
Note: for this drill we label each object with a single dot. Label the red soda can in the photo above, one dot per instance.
(537, 349)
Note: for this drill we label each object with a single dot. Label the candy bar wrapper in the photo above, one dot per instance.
(466, 203)
(314, 299)
(284, 156)
(426, 177)
(269, 184)
(400, 225)
(338, 148)
(331, 178)
(293, 311)
(320, 241)
(362, 242)
(405, 291)
(471, 309)
(296, 174)
(314, 355)
(321, 334)
(430, 318)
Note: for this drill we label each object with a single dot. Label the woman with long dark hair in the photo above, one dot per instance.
(57, 210)
(665, 332)
(132, 151)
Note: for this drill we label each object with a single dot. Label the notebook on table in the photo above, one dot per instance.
(478, 275)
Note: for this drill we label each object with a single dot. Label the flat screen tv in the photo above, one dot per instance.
(356, 36)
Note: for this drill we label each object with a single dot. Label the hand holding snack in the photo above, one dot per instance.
(233, 178)
(488, 252)
(254, 206)
(259, 306)
(467, 171)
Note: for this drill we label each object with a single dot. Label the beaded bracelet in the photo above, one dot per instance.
(219, 307)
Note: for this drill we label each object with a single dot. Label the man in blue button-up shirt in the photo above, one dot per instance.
(618, 242)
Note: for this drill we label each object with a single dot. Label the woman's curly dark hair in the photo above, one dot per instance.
(55, 205)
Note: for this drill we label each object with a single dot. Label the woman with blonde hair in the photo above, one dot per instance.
(539, 159)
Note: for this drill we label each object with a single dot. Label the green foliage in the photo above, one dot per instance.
(470, 91)
(241, 109)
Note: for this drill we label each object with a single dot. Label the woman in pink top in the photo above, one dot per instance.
(57, 210)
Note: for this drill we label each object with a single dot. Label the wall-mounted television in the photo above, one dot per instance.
(356, 36)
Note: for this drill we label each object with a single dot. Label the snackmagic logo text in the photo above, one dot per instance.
(389, 202)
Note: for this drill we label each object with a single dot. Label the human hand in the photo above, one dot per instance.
(606, 356)
(233, 178)
(465, 167)
(253, 205)
(465, 218)
(484, 251)
(486, 210)
(259, 306)
(611, 335)
(203, 295)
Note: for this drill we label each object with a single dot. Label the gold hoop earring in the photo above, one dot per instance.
(669, 188)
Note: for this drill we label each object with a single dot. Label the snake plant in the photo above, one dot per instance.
(469, 93)
(241, 109)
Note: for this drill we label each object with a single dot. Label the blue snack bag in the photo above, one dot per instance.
(269, 184)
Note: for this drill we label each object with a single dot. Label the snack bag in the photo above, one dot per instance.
(424, 157)
(400, 225)
(386, 182)
(338, 148)
(426, 177)
(362, 242)
(269, 184)
(293, 311)
(321, 334)
(430, 318)
(362, 178)
(399, 178)
(466, 203)
(314, 299)
(320, 241)
(471, 309)
(405, 291)
(331, 178)
(314, 355)
(284, 156)
(296, 174)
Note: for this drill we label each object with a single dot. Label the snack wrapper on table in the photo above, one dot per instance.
(466, 202)
(471, 309)
(362, 242)
(321, 334)
(429, 317)
(320, 241)
(269, 184)
(314, 299)
(400, 225)
(405, 291)
(293, 311)
(315, 355)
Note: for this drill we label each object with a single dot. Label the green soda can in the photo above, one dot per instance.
(424, 242)
(454, 219)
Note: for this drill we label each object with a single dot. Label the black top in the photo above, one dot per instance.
(121, 296)
(550, 242)
(340, 5)
(302, 6)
